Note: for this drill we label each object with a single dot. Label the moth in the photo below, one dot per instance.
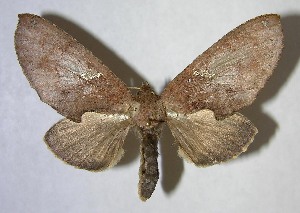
(199, 106)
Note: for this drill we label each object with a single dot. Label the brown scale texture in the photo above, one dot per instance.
(199, 105)
(228, 76)
(64, 73)
(148, 172)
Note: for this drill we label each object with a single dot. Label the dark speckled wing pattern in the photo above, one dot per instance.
(202, 100)
(65, 75)
(228, 75)
(73, 81)
(199, 105)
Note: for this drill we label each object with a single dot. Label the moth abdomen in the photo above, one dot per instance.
(148, 173)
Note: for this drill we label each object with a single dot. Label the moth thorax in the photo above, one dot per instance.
(150, 112)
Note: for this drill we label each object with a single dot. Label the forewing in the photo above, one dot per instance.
(228, 75)
(94, 144)
(205, 141)
(65, 75)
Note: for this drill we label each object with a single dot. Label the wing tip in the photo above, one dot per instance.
(25, 21)
(271, 17)
(24, 17)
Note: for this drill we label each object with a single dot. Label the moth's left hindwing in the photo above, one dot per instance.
(94, 144)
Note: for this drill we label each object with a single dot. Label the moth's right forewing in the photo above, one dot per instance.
(65, 75)
(228, 76)
(93, 144)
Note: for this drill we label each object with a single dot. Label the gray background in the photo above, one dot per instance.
(154, 41)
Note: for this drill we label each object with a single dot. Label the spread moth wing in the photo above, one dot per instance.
(228, 75)
(205, 141)
(65, 75)
(94, 144)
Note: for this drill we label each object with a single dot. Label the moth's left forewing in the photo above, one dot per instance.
(206, 141)
(64, 73)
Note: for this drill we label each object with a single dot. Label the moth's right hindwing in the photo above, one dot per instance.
(206, 141)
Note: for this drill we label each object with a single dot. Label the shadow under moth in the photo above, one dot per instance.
(199, 106)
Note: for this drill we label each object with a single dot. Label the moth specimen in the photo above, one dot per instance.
(200, 105)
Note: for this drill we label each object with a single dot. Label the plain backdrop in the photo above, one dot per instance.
(150, 41)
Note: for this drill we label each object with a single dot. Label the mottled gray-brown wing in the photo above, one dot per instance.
(206, 141)
(94, 144)
(65, 75)
(228, 75)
